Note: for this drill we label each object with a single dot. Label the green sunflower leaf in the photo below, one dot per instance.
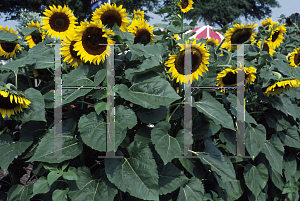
(48, 150)
(290, 137)
(60, 195)
(140, 171)
(148, 116)
(273, 149)
(92, 189)
(27, 31)
(289, 166)
(214, 110)
(150, 93)
(256, 177)
(6, 36)
(20, 192)
(193, 190)
(10, 149)
(41, 186)
(255, 138)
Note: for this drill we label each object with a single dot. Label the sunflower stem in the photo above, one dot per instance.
(16, 80)
(262, 44)
(28, 79)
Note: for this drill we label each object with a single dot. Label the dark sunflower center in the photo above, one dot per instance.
(211, 43)
(184, 3)
(142, 36)
(8, 47)
(59, 22)
(240, 36)
(275, 36)
(110, 17)
(265, 47)
(246, 76)
(229, 79)
(37, 38)
(297, 59)
(72, 51)
(93, 42)
(6, 104)
(196, 61)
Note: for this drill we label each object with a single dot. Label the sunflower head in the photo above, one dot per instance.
(110, 15)
(227, 78)
(138, 14)
(35, 38)
(93, 42)
(12, 102)
(67, 51)
(249, 74)
(239, 34)
(46, 75)
(7, 49)
(199, 57)
(142, 31)
(276, 37)
(185, 5)
(212, 42)
(294, 58)
(267, 47)
(266, 23)
(58, 21)
(279, 86)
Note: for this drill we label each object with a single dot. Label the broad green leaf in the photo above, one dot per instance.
(273, 149)
(147, 65)
(277, 121)
(156, 50)
(71, 174)
(92, 189)
(100, 106)
(140, 171)
(289, 108)
(185, 139)
(255, 138)
(27, 31)
(48, 150)
(170, 179)
(211, 149)
(19, 192)
(192, 191)
(60, 195)
(6, 36)
(276, 178)
(151, 93)
(36, 109)
(290, 137)
(229, 136)
(41, 186)
(125, 117)
(232, 187)
(10, 148)
(289, 166)
(256, 177)
(214, 110)
(53, 176)
(194, 167)
(166, 146)
(148, 116)
(281, 66)
(267, 76)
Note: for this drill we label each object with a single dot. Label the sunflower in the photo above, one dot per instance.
(277, 35)
(267, 22)
(58, 21)
(199, 58)
(294, 58)
(34, 39)
(227, 77)
(8, 50)
(185, 5)
(46, 74)
(278, 87)
(111, 14)
(142, 31)
(138, 14)
(92, 42)
(212, 42)
(67, 50)
(249, 74)
(176, 36)
(239, 34)
(11, 103)
(266, 48)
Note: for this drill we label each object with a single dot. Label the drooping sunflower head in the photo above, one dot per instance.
(279, 86)
(212, 42)
(67, 51)
(249, 74)
(35, 38)
(110, 15)
(142, 31)
(93, 42)
(58, 21)
(267, 47)
(266, 23)
(276, 37)
(7, 49)
(239, 34)
(12, 103)
(138, 14)
(199, 57)
(294, 58)
(185, 5)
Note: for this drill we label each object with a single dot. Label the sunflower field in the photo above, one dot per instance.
(106, 110)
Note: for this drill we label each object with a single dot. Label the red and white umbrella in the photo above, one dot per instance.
(206, 32)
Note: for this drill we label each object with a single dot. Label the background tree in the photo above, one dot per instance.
(222, 12)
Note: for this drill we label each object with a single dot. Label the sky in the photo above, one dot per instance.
(288, 7)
